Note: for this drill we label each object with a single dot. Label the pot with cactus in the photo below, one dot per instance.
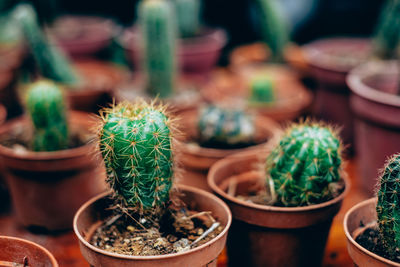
(283, 199)
(146, 219)
(49, 162)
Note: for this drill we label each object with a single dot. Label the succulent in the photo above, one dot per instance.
(305, 166)
(47, 110)
(225, 126)
(388, 207)
(262, 90)
(159, 40)
(136, 145)
(188, 16)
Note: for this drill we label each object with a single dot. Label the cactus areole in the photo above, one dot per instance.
(135, 141)
(305, 166)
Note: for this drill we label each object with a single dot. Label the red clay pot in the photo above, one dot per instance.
(3, 114)
(47, 188)
(363, 213)
(91, 214)
(329, 62)
(20, 252)
(197, 160)
(377, 109)
(267, 235)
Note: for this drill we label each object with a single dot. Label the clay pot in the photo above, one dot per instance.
(249, 54)
(329, 61)
(197, 160)
(47, 188)
(3, 114)
(20, 252)
(363, 213)
(376, 106)
(264, 235)
(91, 214)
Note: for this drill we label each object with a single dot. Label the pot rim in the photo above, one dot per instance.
(357, 75)
(158, 257)
(351, 239)
(236, 159)
(48, 254)
(3, 114)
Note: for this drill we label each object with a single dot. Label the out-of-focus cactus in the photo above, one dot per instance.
(262, 91)
(188, 17)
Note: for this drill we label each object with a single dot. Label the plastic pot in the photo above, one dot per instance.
(90, 215)
(264, 235)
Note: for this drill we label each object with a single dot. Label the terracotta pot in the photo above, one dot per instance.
(90, 215)
(267, 235)
(329, 61)
(20, 252)
(3, 114)
(249, 54)
(363, 213)
(4, 197)
(47, 188)
(197, 160)
(377, 110)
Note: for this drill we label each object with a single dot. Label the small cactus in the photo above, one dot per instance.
(136, 145)
(47, 110)
(225, 126)
(157, 21)
(388, 207)
(188, 17)
(262, 91)
(305, 166)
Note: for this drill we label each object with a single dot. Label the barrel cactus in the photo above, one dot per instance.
(188, 17)
(136, 144)
(305, 166)
(262, 91)
(47, 110)
(157, 21)
(388, 207)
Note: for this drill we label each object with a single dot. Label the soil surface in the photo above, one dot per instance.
(223, 145)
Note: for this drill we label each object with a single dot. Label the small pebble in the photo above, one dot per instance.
(130, 228)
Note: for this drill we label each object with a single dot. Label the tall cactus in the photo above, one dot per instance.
(388, 207)
(47, 110)
(159, 32)
(305, 165)
(136, 144)
(188, 16)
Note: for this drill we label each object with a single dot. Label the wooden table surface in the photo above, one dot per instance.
(65, 246)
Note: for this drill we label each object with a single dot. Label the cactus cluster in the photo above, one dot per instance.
(305, 166)
(188, 17)
(388, 207)
(136, 144)
(159, 34)
(262, 90)
(225, 126)
(47, 110)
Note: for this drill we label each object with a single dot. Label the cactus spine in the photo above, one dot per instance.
(159, 40)
(305, 165)
(188, 17)
(47, 110)
(136, 144)
(388, 207)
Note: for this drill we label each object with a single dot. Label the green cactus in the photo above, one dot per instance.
(52, 63)
(159, 40)
(47, 110)
(188, 17)
(225, 127)
(262, 91)
(305, 166)
(388, 207)
(136, 143)
(10, 33)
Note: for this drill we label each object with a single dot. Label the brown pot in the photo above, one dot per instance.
(329, 61)
(90, 215)
(3, 114)
(20, 252)
(377, 109)
(363, 213)
(197, 160)
(264, 235)
(47, 188)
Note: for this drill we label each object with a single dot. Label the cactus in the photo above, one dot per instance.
(222, 126)
(52, 63)
(262, 91)
(188, 17)
(388, 207)
(159, 36)
(305, 166)
(47, 110)
(136, 141)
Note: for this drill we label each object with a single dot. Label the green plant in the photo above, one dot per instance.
(388, 207)
(225, 125)
(47, 110)
(262, 90)
(188, 16)
(159, 40)
(305, 166)
(136, 143)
